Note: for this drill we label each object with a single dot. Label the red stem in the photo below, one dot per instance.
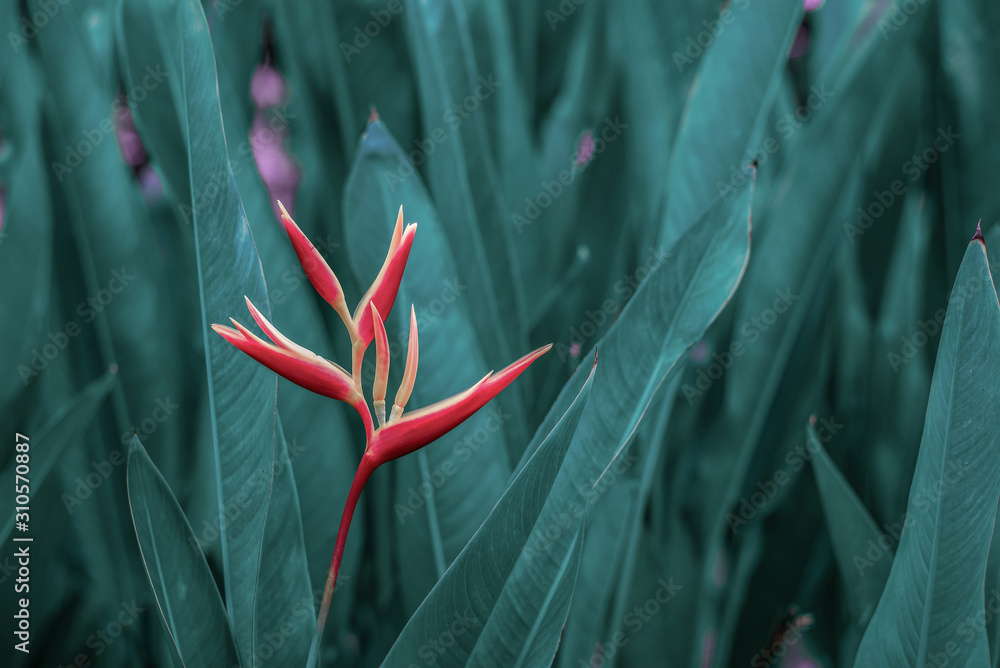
(365, 468)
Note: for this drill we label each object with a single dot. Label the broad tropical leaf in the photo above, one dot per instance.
(186, 594)
(934, 592)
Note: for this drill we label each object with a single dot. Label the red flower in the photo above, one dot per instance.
(402, 434)
(299, 365)
(397, 434)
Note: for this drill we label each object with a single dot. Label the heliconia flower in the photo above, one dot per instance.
(398, 433)
(403, 434)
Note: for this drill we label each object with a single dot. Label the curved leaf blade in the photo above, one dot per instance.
(502, 569)
(242, 393)
(53, 437)
(851, 530)
(936, 582)
(186, 594)
(758, 40)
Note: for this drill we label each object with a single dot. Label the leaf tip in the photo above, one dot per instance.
(135, 445)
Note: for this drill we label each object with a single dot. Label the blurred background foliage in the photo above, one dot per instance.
(563, 158)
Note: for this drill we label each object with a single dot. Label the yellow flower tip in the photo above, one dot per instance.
(397, 231)
(246, 333)
(284, 211)
(381, 357)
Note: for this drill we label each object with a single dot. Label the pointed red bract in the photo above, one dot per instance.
(305, 369)
(317, 270)
(383, 291)
(415, 430)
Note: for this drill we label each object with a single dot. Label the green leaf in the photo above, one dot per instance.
(612, 546)
(934, 594)
(507, 111)
(607, 539)
(186, 594)
(241, 392)
(683, 293)
(115, 242)
(49, 442)
(797, 238)
(26, 231)
(510, 588)
(461, 171)
(899, 384)
(852, 533)
(311, 33)
(741, 70)
(671, 310)
(284, 610)
(655, 85)
(324, 445)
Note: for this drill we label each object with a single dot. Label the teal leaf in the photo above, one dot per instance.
(51, 439)
(510, 588)
(186, 594)
(26, 232)
(853, 533)
(461, 171)
(740, 70)
(241, 393)
(284, 610)
(934, 592)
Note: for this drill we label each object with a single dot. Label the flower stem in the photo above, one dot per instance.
(361, 406)
(365, 468)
